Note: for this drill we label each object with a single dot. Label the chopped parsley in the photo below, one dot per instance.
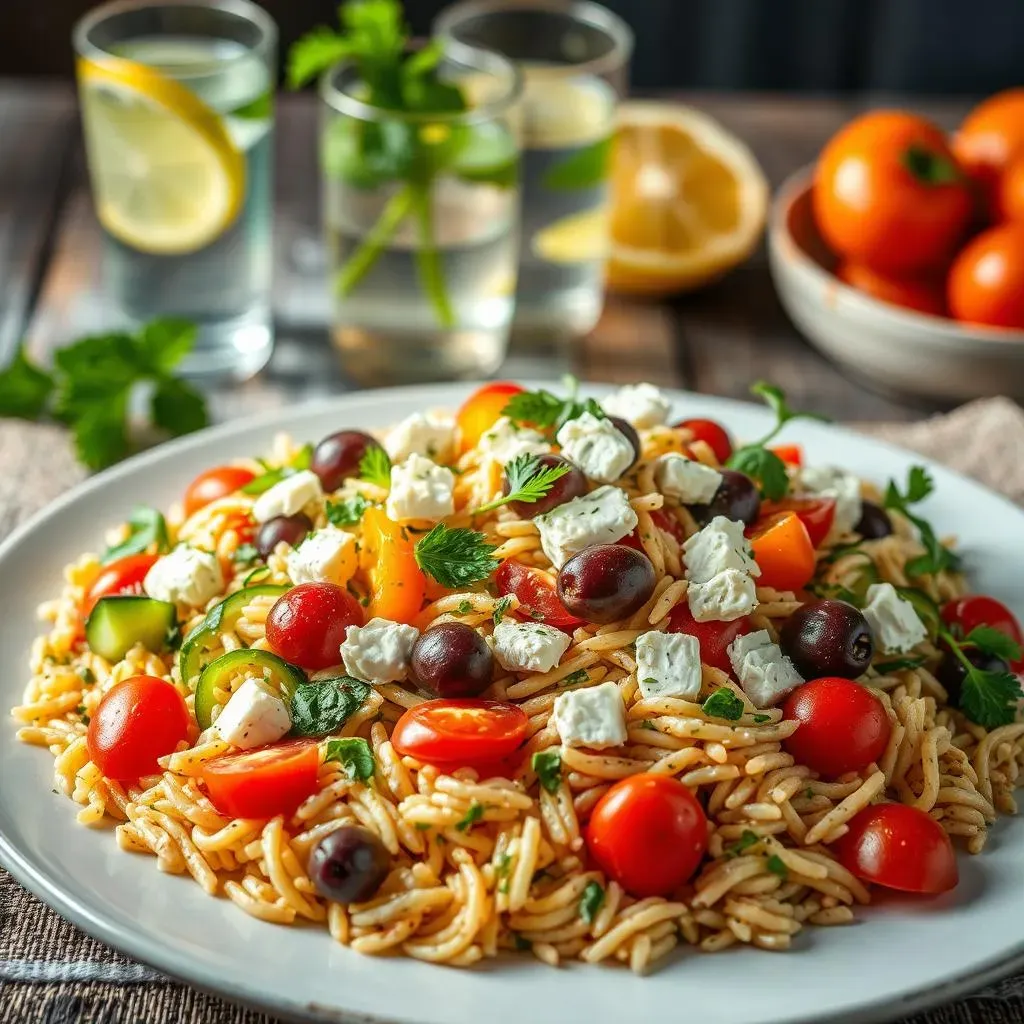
(548, 766)
(87, 675)
(575, 678)
(500, 609)
(146, 527)
(473, 815)
(591, 902)
(545, 411)
(723, 703)
(346, 512)
(777, 866)
(761, 719)
(465, 607)
(746, 840)
(898, 665)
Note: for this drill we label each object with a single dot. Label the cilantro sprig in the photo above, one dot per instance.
(528, 481)
(455, 557)
(546, 411)
(987, 697)
(919, 486)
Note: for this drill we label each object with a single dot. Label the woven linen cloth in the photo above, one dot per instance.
(51, 973)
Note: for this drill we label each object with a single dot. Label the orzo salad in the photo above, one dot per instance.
(576, 678)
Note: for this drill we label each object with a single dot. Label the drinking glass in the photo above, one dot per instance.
(177, 108)
(574, 60)
(420, 214)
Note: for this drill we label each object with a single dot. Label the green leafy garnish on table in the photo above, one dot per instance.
(91, 383)
(528, 482)
(146, 526)
(455, 557)
(988, 698)
(919, 486)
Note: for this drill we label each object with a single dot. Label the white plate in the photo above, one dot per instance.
(903, 955)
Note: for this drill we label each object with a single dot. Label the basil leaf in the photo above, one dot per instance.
(355, 757)
(322, 707)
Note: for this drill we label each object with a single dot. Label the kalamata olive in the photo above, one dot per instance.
(737, 498)
(337, 457)
(828, 638)
(951, 671)
(453, 660)
(874, 522)
(626, 428)
(565, 488)
(349, 864)
(290, 529)
(606, 582)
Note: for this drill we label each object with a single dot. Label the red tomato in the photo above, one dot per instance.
(714, 637)
(264, 782)
(664, 522)
(215, 483)
(923, 294)
(649, 833)
(986, 281)
(307, 625)
(791, 454)
(124, 576)
(139, 720)
(978, 610)
(460, 732)
(481, 409)
(538, 598)
(843, 726)
(899, 847)
(817, 514)
(783, 549)
(713, 434)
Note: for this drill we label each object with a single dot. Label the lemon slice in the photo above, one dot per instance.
(166, 175)
(578, 238)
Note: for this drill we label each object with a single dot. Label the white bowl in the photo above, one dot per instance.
(892, 348)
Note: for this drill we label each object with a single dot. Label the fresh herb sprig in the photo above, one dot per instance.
(919, 486)
(455, 557)
(355, 757)
(545, 411)
(146, 527)
(375, 467)
(988, 698)
(275, 474)
(347, 511)
(723, 703)
(528, 482)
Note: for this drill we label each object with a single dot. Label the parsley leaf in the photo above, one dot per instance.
(323, 707)
(591, 902)
(994, 642)
(455, 557)
(936, 557)
(177, 407)
(898, 664)
(245, 555)
(259, 485)
(375, 466)
(500, 608)
(465, 607)
(346, 512)
(545, 411)
(473, 815)
(988, 697)
(746, 840)
(527, 480)
(548, 766)
(581, 675)
(146, 526)
(723, 703)
(777, 866)
(761, 719)
(354, 755)
(25, 390)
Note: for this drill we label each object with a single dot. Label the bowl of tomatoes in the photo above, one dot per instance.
(900, 254)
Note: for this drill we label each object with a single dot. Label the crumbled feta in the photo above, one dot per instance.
(290, 495)
(420, 489)
(594, 717)
(720, 546)
(528, 646)
(895, 625)
(724, 598)
(602, 451)
(688, 481)
(254, 716)
(764, 672)
(643, 405)
(380, 651)
(668, 665)
(831, 482)
(429, 434)
(602, 517)
(328, 555)
(185, 576)
(505, 440)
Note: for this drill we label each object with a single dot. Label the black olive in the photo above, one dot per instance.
(606, 582)
(349, 864)
(874, 522)
(452, 660)
(828, 638)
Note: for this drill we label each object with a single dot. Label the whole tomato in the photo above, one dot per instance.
(888, 193)
(991, 137)
(1011, 192)
(986, 281)
(921, 294)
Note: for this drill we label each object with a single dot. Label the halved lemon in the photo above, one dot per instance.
(689, 200)
(167, 177)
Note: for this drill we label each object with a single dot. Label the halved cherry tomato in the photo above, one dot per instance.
(664, 522)
(791, 454)
(968, 613)
(713, 434)
(307, 625)
(124, 576)
(480, 411)
(649, 833)
(783, 550)
(817, 515)
(397, 584)
(899, 847)
(538, 598)
(843, 726)
(215, 483)
(139, 720)
(264, 782)
(460, 732)
(714, 637)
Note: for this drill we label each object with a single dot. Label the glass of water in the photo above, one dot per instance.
(574, 60)
(421, 218)
(177, 108)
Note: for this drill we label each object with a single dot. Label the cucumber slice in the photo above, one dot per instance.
(259, 663)
(116, 624)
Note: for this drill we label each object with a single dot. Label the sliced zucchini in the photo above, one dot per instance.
(262, 664)
(118, 623)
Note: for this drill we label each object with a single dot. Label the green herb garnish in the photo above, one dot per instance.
(777, 866)
(919, 486)
(581, 675)
(465, 607)
(528, 482)
(355, 757)
(274, 475)
(245, 555)
(87, 675)
(545, 411)
(723, 703)
(473, 815)
(898, 665)
(323, 707)
(500, 608)
(548, 766)
(761, 719)
(591, 902)
(348, 511)
(375, 467)
(988, 698)
(746, 840)
(455, 557)
(146, 527)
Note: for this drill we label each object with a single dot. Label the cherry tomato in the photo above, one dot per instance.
(986, 281)
(791, 454)
(124, 576)
(920, 294)
(139, 720)
(215, 483)
(538, 598)
(989, 140)
(899, 847)
(460, 732)
(975, 610)
(843, 726)
(783, 549)
(664, 522)
(307, 625)
(713, 434)
(817, 514)
(714, 637)
(480, 411)
(264, 782)
(649, 833)
(397, 585)
(1011, 192)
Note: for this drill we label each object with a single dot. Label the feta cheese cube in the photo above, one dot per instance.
(602, 517)
(895, 625)
(643, 405)
(185, 576)
(253, 716)
(724, 598)
(420, 489)
(602, 451)
(528, 646)
(380, 651)
(688, 481)
(831, 482)
(765, 674)
(288, 496)
(594, 717)
(429, 434)
(505, 440)
(720, 546)
(668, 665)
(328, 555)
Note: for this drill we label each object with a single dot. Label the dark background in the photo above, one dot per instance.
(925, 46)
